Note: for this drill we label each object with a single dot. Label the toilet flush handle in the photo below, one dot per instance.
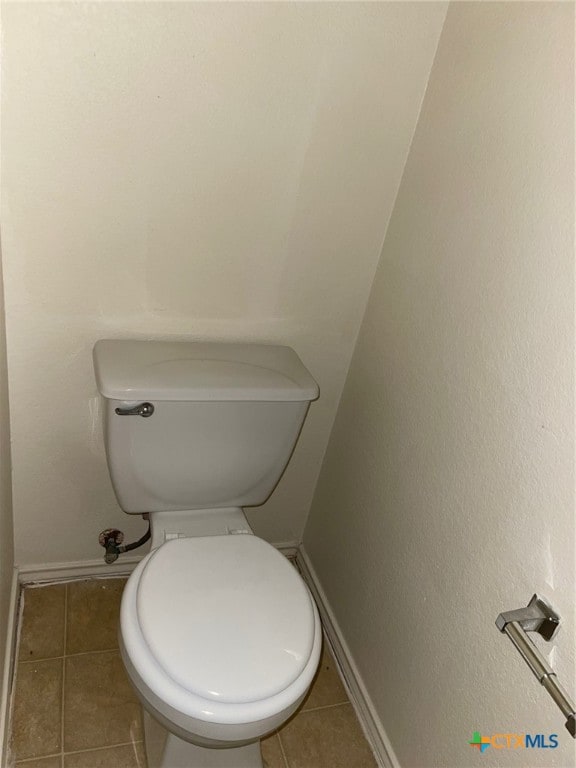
(143, 409)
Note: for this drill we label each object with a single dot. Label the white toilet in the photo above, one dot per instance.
(219, 634)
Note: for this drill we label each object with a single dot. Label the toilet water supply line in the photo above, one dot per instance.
(111, 539)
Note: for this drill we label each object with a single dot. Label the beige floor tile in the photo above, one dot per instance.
(43, 762)
(92, 615)
(131, 756)
(42, 633)
(327, 687)
(326, 738)
(100, 707)
(36, 722)
(272, 752)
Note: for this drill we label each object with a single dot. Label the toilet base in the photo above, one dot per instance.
(165, 750)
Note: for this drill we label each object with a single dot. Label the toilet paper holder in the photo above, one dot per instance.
(538, 616)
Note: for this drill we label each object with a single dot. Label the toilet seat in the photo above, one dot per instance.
(221, 628)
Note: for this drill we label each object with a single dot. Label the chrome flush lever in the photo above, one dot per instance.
(143, 409)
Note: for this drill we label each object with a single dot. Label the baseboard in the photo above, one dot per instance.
(369, 720)
(48, 572)
(9, 656)
(288, 548)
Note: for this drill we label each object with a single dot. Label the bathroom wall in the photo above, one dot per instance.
(6, 527)
(447, 492)
(189, 171)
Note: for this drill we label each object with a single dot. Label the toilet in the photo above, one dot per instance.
(219, 634)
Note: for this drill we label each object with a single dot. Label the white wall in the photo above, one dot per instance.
(6, 525)
(189, 170)
(447, 493)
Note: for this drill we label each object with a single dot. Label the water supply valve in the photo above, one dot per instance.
(111, 539)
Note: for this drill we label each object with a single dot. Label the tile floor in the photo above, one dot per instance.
(74, 707)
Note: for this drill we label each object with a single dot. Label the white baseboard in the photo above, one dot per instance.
(287, 548)
(369, 720)
(80, 569)
(45, 572)
(9, 657)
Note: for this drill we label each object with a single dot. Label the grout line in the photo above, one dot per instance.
(106, 746)
(63, 677)
(97, 650)
(41, 661)
(33, 759)
(324, 706)
(69, 656)
(282, 750)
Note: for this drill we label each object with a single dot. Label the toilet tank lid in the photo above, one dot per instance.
(200, 371)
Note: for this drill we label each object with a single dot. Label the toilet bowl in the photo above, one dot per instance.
(219, 635)
(221, 639)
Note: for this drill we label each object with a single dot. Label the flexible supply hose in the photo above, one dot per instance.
(111, 540)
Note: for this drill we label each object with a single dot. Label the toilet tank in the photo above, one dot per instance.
(225, 420)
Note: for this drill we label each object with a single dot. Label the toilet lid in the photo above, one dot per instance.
(226, 617)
